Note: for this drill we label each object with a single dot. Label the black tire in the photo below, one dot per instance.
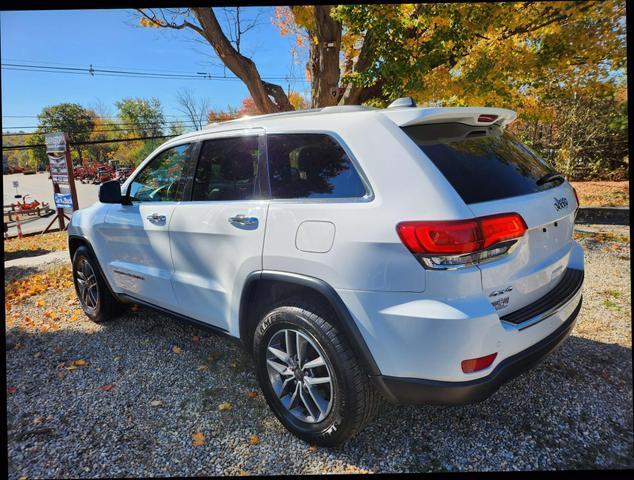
(106, 307)
(354, 400)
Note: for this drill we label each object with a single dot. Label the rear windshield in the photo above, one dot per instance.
(482, 163)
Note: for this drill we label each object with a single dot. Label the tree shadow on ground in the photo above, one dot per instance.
(24, 253)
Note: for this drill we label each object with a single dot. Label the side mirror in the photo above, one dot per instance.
(110, 192)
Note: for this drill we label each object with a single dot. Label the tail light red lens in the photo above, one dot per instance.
(461, 236)
(475, 364)
(498, 228)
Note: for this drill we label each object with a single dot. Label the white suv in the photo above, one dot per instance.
(421, 254)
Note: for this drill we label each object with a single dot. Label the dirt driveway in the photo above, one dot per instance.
(148, 396)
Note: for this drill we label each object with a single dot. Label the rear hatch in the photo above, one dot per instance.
(494, 173)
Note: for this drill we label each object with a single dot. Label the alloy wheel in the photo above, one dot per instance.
(87, 287)
(300, 375)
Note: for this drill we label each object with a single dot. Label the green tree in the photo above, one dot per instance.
(71, 118)
(141, 116)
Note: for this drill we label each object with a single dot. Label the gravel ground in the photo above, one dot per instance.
(150, 383)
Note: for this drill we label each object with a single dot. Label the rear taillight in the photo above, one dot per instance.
(461, 242)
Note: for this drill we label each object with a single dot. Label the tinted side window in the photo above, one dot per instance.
(227, 169)
(311, 166)
(162, 180)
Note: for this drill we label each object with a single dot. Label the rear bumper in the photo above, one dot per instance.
(416, 391)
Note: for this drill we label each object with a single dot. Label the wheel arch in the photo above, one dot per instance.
(263, 288)
(76, 241)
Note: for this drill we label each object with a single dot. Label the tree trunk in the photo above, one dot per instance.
(268, 97)
(324, 47)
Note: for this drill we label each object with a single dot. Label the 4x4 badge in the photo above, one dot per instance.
(560, 203)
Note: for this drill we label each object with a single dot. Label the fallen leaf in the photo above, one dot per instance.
(107, 387)
(18, 346)
(156, 403)
(252, 394)
(177, 349)
(195, 338)
(203, 367)
(312, 449)
(198, 439)
(254, 440)
(11, 390)
(37, 354)
(233, 365)
(38, 420)
(80, 363)
(74, 318)
(224, 406)
(40, 302)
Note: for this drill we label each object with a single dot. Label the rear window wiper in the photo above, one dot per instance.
(550, 177)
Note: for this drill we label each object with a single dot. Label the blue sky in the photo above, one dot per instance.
(114, 38)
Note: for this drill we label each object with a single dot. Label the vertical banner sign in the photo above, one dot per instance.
(61, 169)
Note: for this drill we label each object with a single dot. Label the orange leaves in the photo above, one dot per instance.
(195, 338)
(252, 394)
(177, 349)
(54, 279)
(107, 387)
(75, 364)
(198, 439)
(153, 23)
(254, 440)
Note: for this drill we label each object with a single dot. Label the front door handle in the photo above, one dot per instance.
(243, 220)
(156, 219)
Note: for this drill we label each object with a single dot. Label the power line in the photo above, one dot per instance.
(108, 118)
(94, 142)
(121, 72)
(171, 122)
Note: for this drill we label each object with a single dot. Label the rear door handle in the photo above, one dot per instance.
(243, 220)
(157, 219)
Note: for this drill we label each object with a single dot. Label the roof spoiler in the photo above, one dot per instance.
(477, 116)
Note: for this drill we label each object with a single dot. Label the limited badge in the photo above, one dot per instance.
(501, 303)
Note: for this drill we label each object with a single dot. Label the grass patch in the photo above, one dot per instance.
(610, 304)
(603, 194)
(35, 245)
(603, 236)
